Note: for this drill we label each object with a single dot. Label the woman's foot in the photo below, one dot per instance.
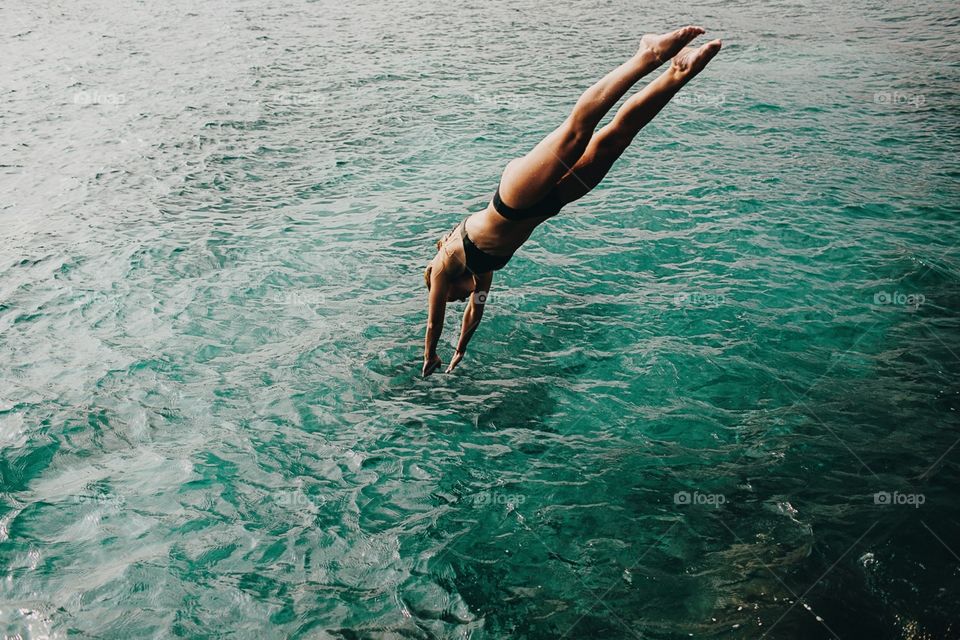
(667, 45)
(691, 61)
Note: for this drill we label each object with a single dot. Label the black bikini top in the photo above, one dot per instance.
(548, 207)
(478, 260)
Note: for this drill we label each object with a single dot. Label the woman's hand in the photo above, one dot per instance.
(471, 316)
(457, 357)
(430, 364)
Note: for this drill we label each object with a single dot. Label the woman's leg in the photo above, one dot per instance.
(611, 141)
(526, 180)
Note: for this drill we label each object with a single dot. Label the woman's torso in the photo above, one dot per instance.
(496, 235)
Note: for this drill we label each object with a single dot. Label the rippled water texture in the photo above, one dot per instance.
(716, 398)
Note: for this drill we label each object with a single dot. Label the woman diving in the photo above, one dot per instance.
(562, 168)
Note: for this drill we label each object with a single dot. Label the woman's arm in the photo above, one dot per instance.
(472, 317)
(437, 306)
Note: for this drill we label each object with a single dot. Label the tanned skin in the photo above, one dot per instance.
(573, 159)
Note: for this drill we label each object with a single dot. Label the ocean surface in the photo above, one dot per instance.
(715, 398)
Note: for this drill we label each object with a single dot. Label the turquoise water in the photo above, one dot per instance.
(677, 419)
